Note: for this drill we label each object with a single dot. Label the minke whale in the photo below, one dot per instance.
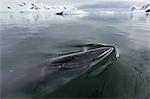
(67, 67)
(75, 63)
(57, 71)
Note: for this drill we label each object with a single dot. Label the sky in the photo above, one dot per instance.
(86, 3)
(78, 2)
(81, 2)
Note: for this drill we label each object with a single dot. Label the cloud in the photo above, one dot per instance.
(85, 2)
(113, 4)
(78, 2)
(116, 4)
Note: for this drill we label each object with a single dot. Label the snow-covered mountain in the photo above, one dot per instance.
(31, 6)
(144, 8)
(36, 6)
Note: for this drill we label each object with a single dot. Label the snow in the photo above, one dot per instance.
(35, 6)
(143, 8)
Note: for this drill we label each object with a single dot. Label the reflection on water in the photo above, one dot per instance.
(33, 18)
(140, 17)
(27, 39)
(28, 18)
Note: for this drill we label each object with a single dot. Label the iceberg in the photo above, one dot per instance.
(145, 8)
(71, 12)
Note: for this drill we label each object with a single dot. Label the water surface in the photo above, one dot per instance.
(30, 38)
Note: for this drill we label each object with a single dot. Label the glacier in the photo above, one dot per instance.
(37, 6)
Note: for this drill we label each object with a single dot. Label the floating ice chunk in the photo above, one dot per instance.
(106, 12)
(71, 12)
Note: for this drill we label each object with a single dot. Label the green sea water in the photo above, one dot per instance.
(27, 39)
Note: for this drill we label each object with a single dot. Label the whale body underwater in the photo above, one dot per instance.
(60, 70)
(69, 67)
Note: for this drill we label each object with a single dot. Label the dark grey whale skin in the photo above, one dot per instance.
(73, 65)
(56, 70)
